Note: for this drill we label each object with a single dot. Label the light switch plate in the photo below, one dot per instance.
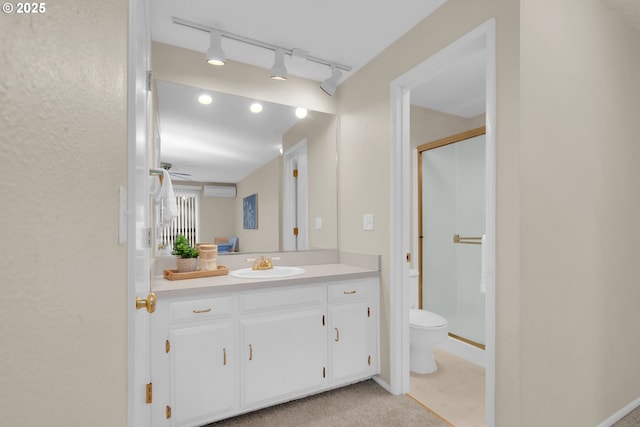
(367, 222)
(318, 223)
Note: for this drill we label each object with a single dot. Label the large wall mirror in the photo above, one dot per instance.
(238, 153)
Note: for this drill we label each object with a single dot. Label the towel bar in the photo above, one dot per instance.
(467, 240)
(156, 172)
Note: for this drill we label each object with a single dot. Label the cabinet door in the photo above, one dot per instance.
(283, 354)
(350, 350)
(202, 378)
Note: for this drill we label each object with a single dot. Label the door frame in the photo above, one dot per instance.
(295, 204)
(137, 213)
(400, 205)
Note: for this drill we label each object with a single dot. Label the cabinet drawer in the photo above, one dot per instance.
(200, 309)
(282, 298)
(349, 291)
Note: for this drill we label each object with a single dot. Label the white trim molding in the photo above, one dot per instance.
(400, 242)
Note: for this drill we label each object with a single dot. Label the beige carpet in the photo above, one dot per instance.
(631, 420)
(364, 404)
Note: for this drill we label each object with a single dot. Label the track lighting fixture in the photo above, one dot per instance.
(215, 55)
(279, 71)
(330, 85)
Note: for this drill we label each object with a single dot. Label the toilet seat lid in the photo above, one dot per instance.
(426, 319)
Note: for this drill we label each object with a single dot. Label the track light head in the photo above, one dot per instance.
(215, 55)
(279, 71)
(329, 86)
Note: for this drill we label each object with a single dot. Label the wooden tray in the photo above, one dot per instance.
(174, 275)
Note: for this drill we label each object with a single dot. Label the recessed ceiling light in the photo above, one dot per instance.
(256, 107)
(301, 113)
(205, 99)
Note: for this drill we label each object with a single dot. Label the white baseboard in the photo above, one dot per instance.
(466, 351)
(382, 384)
(620, 414)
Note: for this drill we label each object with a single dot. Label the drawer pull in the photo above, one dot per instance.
(337, 334)
(250, 352)
(349, 292)
(201, 311)
(224, 356)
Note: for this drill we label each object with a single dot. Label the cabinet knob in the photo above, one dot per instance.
(337, 334)
(250, 352)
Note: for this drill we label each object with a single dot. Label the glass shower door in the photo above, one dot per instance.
(453, 203)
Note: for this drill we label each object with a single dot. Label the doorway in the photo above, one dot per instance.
(451, 283)
(294, 213)
(401, 202)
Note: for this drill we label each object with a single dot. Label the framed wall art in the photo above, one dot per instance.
(250, 212)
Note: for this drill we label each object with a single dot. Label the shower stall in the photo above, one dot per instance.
(451, 199)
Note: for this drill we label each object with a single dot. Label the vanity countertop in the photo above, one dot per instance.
(227, 283)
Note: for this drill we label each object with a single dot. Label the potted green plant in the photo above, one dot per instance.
(187, 254)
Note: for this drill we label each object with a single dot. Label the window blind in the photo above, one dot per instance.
(187, 222)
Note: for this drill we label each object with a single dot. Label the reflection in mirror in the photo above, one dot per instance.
(229, 148)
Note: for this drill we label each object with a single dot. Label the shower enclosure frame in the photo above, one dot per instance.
(459, 137)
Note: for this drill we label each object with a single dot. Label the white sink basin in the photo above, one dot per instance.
(274, 273)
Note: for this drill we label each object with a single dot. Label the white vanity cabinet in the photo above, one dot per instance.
(283, 343)
(353, 330)
(202, 380)
(216, 355)
(194, 365)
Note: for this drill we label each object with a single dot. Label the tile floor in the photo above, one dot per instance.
(455, 391)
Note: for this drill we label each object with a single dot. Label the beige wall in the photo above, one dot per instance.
(364, 165)
(63, 145)
(320, 131)
(265, 182)
(429, 125)
(580, 207)
(217, 218)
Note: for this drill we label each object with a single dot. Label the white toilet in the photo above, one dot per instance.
(427, 330)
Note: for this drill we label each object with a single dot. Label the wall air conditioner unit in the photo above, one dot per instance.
(227, 191)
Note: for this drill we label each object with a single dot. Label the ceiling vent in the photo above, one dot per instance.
(226, 191)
